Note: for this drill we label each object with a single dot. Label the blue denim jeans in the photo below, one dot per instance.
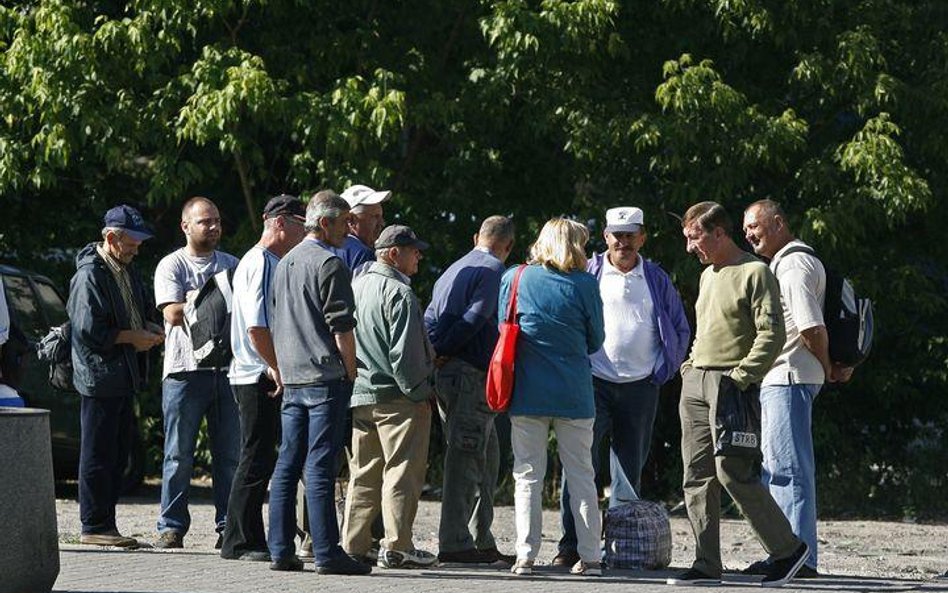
(789, 468)
(625, 412)
(186, 398)
(314, 428)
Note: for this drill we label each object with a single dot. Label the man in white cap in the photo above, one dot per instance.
(366, 221)
(647, 338)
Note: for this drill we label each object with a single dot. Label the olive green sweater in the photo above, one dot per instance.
(739, 320)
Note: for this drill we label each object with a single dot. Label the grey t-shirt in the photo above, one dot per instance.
(177, 275)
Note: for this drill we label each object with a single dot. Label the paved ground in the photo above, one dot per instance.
(856, 556)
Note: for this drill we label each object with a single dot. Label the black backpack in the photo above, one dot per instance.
(207, 321)
(848, 316)
(56, 349)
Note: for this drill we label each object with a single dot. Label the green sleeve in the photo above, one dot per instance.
(767, 317)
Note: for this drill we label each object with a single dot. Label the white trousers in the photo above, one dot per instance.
(528, 437)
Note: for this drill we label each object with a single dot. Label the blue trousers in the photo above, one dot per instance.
(186, 398)
(106, 424)
(314, 428)
(625, 412)
(789, 467)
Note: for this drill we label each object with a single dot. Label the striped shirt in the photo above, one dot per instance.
(125, 287)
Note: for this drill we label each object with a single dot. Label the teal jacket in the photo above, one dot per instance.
(561, 324)
(396, 360)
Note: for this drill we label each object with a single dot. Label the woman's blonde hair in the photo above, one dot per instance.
(561, 245)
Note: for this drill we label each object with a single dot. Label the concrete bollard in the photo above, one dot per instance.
(29, 558)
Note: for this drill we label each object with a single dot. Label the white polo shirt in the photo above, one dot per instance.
(632, 348)
(802, 291)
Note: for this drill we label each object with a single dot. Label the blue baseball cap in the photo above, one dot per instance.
(129, 220)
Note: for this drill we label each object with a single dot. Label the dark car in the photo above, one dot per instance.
(36, 305)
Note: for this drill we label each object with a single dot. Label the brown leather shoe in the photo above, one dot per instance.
(568, 559)
(508, 559)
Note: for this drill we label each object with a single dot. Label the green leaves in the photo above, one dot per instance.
(229, 89)
(876, 161)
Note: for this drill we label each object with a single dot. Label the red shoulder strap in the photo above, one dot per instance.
(512, 302)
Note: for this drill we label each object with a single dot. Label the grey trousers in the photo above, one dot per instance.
(471, 459)
(705, 474)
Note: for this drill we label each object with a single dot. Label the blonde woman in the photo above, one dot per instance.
(560, 315)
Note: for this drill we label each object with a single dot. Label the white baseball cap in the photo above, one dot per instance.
(624, 220)
(357, 195)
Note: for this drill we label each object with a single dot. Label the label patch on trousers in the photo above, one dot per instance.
(744, 439)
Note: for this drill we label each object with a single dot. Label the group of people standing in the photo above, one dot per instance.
(332, 349)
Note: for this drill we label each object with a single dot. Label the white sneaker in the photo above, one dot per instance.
(522, 567)
(411, 559)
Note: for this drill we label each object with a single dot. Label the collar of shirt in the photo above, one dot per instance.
(319, 242)
(115, 265)
(485, 250)
(608, 268)
(389, 268)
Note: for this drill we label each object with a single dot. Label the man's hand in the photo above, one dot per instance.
(140, 339)
(440, 361)
(841, 373)
(274, 375)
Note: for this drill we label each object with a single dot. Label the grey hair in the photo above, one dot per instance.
(114, 230)
(383, 253)
(358, 209)
(497, 228)
(325, 204)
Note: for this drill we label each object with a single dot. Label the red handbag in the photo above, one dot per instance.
(500, 372)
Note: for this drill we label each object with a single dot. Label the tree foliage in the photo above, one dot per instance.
(839, 109)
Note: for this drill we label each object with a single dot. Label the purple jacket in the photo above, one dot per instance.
(673, 329)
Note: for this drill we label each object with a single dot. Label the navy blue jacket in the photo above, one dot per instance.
(102, 368)
(673, 329)
(461, 320)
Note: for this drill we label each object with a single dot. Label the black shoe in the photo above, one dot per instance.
(807, 572)
(471, 556)
(508, 559)
(566, 558)
(759, 567)
(343, 565)
(693, 578)
(169, 540)
(220, 541)
(249, 556)
(288, 564)
(781, 571)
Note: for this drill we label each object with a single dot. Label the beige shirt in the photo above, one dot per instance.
(802, 292)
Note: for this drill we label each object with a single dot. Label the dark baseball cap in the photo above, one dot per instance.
(284, 205)
(129, 220)
(398, 235)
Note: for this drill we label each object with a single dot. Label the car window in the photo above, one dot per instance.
(22, 304)
(52, 304)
